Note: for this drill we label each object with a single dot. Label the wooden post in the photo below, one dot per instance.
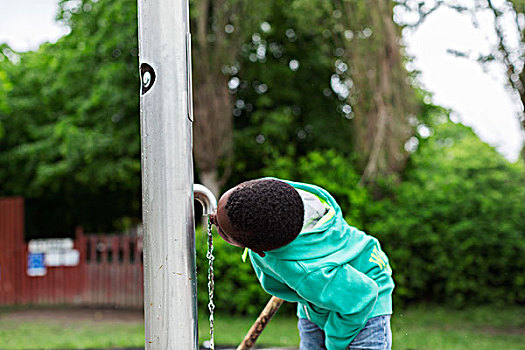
(261, 322)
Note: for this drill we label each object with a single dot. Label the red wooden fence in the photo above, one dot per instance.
(11, 246)
(109, 272)
(112, 270)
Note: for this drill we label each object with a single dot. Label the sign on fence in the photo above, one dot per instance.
(57, 251)
(36, 264)
(107, 269)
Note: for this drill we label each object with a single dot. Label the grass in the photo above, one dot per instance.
(75, 335)
(416, 328)
(230, 330)
(481, 328)
(79, 336)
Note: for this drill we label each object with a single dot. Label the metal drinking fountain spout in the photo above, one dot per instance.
(205, 198)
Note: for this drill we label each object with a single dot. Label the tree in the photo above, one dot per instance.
(284, 106)
(325, 75)
(454, 228)
(219, 27)
(384, 124)
(370, 77)
(507, 17)
(69, 111)
(71, 142)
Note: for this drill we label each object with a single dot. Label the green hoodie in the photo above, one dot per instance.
(338, 275)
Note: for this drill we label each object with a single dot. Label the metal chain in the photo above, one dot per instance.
(211, 284)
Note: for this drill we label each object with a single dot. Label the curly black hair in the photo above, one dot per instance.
(267, 213)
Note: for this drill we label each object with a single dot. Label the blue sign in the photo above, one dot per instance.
(36, 264)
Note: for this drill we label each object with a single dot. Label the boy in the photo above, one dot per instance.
(303, 251)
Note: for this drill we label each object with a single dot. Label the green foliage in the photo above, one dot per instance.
(235, 280)
(5, 87)
(454, 228)
(452, 222)
(313, 72)
(453, 225)
(285, 106)
(70, 115)
(236, 287)
(333, 172)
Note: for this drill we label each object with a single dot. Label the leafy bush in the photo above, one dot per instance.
(237, 290)
(454, 228)
(236, 287)
(331, 171)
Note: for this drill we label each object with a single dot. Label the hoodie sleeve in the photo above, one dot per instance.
(275, 287)
(348, 294)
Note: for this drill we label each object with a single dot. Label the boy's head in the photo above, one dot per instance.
(262, 215)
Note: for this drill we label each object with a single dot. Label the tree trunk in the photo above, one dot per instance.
(382, 99)
(213, 105)
(210, 179)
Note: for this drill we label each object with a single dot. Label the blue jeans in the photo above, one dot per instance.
(376, 335)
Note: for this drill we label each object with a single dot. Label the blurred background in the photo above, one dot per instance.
(409, 112)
